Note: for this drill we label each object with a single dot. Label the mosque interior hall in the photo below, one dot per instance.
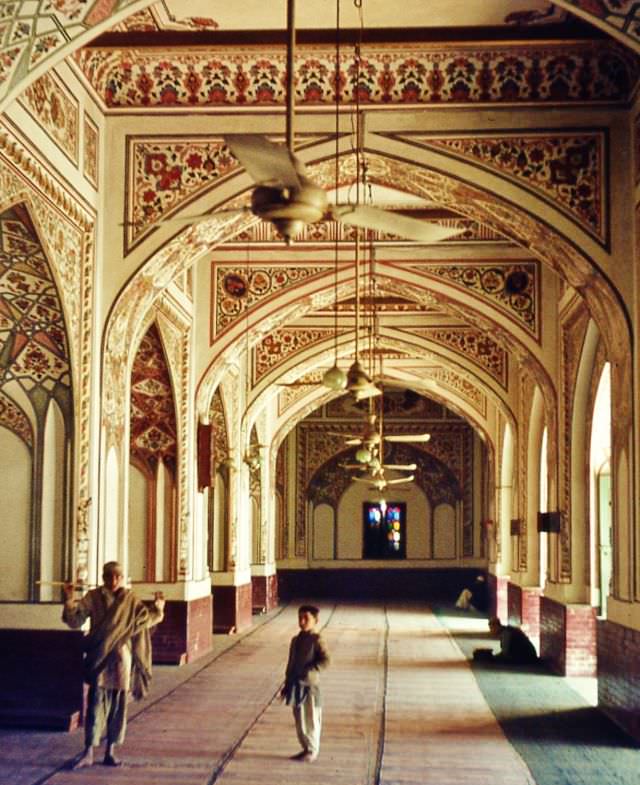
(332, 302)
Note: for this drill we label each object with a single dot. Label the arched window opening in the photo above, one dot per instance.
(600, 494)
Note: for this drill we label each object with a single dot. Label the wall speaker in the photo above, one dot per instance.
(549, 522)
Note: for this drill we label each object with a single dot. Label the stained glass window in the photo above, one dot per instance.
(384, 530)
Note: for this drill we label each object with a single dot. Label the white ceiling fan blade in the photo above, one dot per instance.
(401, 467)
(400, 480)
(409, 437)
(267, 163)
(360, 393)
(392, 223)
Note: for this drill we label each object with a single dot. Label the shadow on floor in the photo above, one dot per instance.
(562, 739)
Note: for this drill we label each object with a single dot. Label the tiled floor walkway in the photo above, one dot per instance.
(401, 706)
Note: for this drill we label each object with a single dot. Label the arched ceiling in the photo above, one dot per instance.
(449, 315)
(36, 36)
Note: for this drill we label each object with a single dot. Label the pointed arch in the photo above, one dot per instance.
(35, 368)
(153, 459)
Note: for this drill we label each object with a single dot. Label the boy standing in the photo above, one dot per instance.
(307, 654)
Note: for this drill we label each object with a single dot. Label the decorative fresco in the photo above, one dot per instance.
(462, 386)
(327, 232)
(475, 345)
(32, 32)
(218, 419)
(574, 328)
(391, 74)
(91, 151)
(163, 173)
(238, 288)
(451, 446)
(527, 390)
(280, 344)
(153, 413)
(56, 110)
(566, 169)
(513, 287)
(140, 22)
(14, 419)
(33, 341)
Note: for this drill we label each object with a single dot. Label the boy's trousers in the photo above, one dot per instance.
(308, 717)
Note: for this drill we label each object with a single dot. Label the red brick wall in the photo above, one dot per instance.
(552, 634)
(265, 592)
(233, 608)
(531, 614)
(568, 637)
(619, 675)
(514, 604)
(185, 632)
(581, 641)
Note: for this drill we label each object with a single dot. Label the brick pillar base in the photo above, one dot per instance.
(619, 675)
(530, 617)
(498, 596)
(185, 632)
(264, 590)
(581, 641)
(233, 608)
(568, 637)
(514, 605)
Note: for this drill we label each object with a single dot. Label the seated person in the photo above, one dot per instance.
(515, 647)
(464, 599)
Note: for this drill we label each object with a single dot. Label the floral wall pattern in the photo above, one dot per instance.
(14, 418)
(237, 289)
(33, 341)
(219, 434)
(166, 172)
(281, 344)
(565, 168)
(153, 412)
(512, 286)
(91, 151)
(574, 328)
(475, 345)
(401, 73)
(56, 110)
(31, 33)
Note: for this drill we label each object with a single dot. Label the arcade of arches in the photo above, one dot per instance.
(161, 397)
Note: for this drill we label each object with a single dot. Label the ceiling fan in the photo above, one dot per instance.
(380, 483)
(289, 199)
(372, 435)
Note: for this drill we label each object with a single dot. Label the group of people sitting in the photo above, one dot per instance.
(515, 646)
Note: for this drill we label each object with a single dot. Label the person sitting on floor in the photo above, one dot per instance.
(515, 646)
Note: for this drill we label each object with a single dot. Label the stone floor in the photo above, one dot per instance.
(401, 706)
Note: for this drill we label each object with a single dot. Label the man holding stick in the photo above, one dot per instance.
(117, 656)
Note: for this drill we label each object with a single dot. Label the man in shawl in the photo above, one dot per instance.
(117, 656)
